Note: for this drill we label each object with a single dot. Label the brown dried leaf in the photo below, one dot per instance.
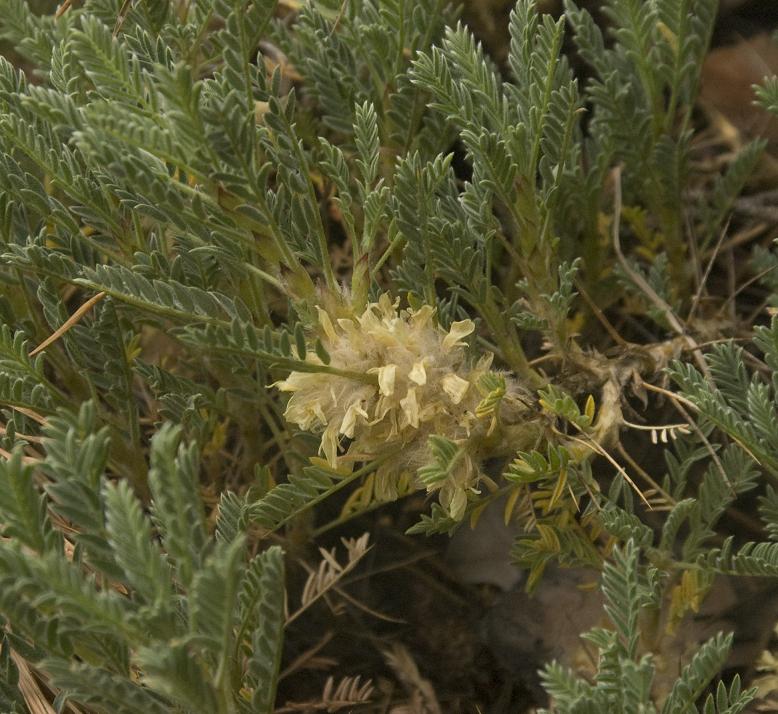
(34, 698)
(330, 572)
(727, 77)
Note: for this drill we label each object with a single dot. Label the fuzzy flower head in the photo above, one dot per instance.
(395, 377)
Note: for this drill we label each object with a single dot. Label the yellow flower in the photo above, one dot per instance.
(421, 385)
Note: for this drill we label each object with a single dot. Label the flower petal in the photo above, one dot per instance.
(386, 377)
(418, 374)
(327, 326)
(329, 445)
(421, 317)
(294, 382)
(318, 411)
(484, 362)
(387, 307)
(410, 407)
(458, 330)
(455, 387)
(349, 422)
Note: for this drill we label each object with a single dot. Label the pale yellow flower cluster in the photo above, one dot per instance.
(417, 383)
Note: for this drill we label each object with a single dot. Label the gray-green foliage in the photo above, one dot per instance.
(198, 169)
(172, 613)
(623, 680)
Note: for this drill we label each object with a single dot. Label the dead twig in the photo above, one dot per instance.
(648, 291)
(300, 662)
(677, 401)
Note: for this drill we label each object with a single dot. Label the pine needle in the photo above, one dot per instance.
(72, 320)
